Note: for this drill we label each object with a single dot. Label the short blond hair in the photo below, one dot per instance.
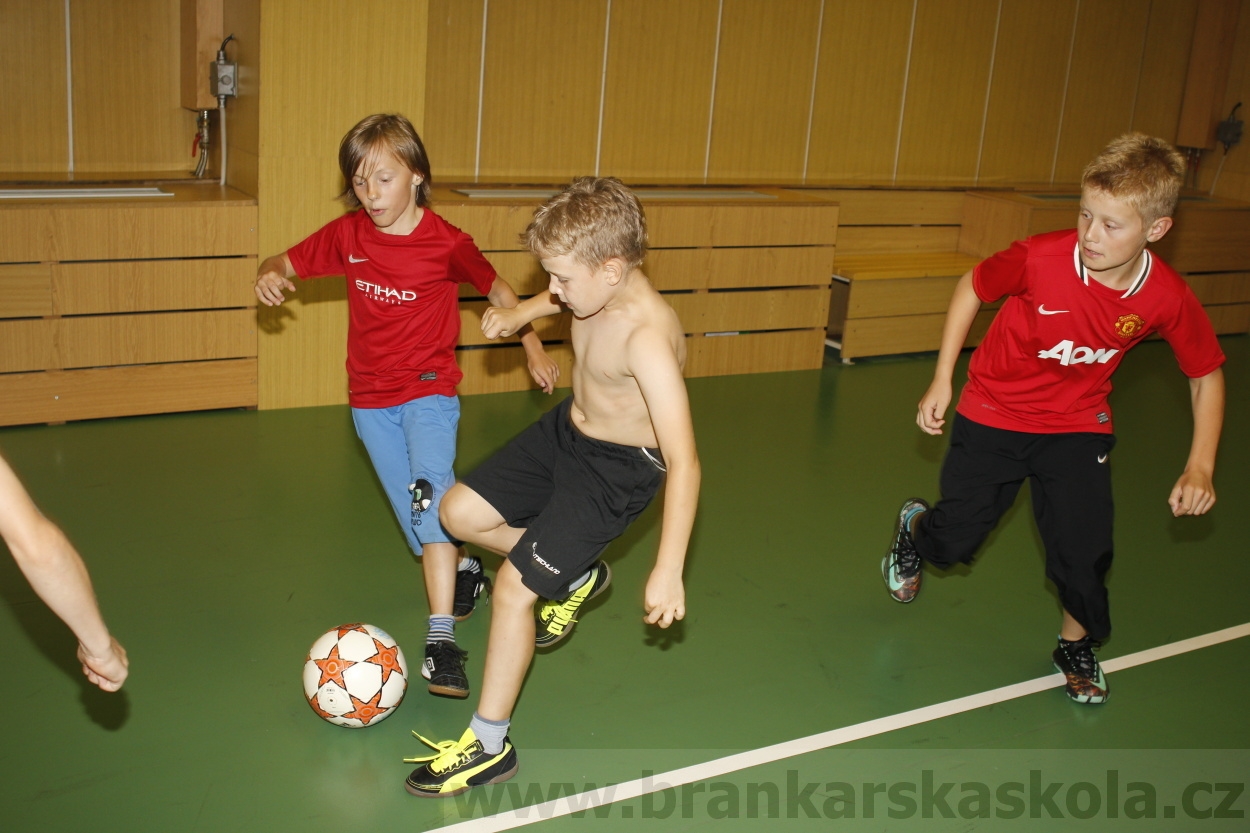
(593, 219)
(1142, 170)
(383, 131)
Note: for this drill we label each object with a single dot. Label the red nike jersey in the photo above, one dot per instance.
(402, 301)
(1045, 365)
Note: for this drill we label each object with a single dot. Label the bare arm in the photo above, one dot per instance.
(59, 577)
(542, 367)
(498, 322)
(656, 369)
(1194, 492)
(959, 317)
(272, 276)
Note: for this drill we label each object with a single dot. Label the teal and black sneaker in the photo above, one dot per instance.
(901, 567)
(1076, 661)
(556, 619)
(459, 765)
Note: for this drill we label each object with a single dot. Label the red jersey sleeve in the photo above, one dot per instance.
(1192, 338)
(469, 265)
(1002, 274)
(321, 253)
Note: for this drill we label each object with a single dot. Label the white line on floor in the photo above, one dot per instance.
(707, 770)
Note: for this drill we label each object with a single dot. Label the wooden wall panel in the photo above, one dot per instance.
(755, 353)
(865, 207)
(127, 113)
(27, 344)
(658, 89)
(1110, 38)
(946, 89)
(857, 240)
(540, 108)
(452, 79)
(315, 87)
(764, 80)
(501, 369)
(776, 309)
(520, 269)
(859, 89)
(1233, 168)
(154, 285)
(1026, 91)
(58, 396)
(32, 88)
(46, 231)
(25, 290)
(96, 341)
(1161, 84)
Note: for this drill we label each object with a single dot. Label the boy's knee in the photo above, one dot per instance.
(510, 590)
(453, 511)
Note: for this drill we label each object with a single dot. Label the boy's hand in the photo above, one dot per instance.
(542, 367)
(500, 322)
(109, 669)
(664, 599)
(271, 279)
(1193, 494)
(933, 406)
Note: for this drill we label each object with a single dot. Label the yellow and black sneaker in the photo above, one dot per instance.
(459, 765)
(1076, 661)
(556, 619)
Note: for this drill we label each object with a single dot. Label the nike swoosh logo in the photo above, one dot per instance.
(1042, 309)
(354, 259)
(1102, 458)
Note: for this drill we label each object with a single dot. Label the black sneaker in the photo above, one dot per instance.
(1076, 661)
(444, 668)
(557, 618)
(901, 567)
(469, 585)
(458, 766)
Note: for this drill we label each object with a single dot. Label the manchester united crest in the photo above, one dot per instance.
(1128, 326)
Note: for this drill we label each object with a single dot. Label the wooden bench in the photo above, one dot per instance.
(896, 303)
(898, 261)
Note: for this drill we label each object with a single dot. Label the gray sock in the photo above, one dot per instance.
(490, 732)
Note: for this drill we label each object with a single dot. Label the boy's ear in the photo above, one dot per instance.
(1158, 228)
(613, 270)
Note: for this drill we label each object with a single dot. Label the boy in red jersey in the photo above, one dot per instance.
(1035, 404)
(404, 265)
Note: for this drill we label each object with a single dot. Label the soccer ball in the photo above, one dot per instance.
(355, 675)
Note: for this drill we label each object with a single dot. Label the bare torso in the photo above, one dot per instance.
(607, 402)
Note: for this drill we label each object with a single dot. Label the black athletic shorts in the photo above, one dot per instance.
(572, 494)
(1069, 478)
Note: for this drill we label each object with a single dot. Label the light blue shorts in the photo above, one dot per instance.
(409, 442)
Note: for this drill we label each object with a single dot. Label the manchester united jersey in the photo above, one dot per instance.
(1045, 365)
(402, 301)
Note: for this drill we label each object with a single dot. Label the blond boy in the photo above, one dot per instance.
(1035, 405)
(554, 498)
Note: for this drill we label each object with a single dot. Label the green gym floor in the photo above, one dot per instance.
(222, 544)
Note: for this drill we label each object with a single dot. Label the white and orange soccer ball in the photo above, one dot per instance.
(355, 675)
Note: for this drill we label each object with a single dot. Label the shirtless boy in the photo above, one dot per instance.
(562, 490)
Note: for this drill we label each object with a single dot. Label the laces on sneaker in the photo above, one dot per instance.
(907, 560)
(446, 749)
(1081, 655)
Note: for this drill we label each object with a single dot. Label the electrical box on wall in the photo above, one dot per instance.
(223, 78)
(202, 23)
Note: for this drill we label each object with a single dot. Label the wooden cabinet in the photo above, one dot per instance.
(114, 307)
